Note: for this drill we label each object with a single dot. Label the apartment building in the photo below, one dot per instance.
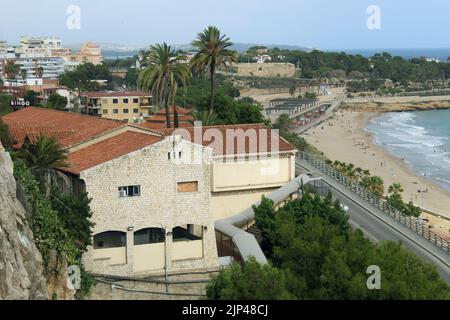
(131, 106)
(90, 53)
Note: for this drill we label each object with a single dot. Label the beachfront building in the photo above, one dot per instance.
(156, 194)
(131, 106)
(249, 161)
(45, 58)
(90, 53)
(150, 203)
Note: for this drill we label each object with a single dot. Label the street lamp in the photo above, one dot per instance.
(421, 192)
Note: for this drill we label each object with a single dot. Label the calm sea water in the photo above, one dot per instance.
(421, 138)
(440, 53)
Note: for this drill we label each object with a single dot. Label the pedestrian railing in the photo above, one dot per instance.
(412, 223)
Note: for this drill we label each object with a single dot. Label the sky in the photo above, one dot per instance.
(324, 24)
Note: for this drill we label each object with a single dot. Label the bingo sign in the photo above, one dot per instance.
(19, 104)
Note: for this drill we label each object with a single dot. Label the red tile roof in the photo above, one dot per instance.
(115, 94)
(179, 109)
(159, 125)
(257, 139)
(68, 128)
(107, 150)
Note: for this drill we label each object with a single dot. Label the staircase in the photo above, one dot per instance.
(253, 229)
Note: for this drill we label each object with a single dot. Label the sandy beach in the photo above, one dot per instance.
(342, 138)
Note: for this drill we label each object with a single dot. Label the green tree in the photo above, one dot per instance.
(251, 281)
(164, 70)
(282, 124)
(5, 103)
(374, 184)
(311, 240)
(57, 101)
(231, 111)
(5, 137)
(32, 97)
(12, 71)
(84, 76)
(42, 157)
(40, 72)
(24, 75)
(212, 52)
(292, 90)
(395, 188)
(205, 117)
(75, 213)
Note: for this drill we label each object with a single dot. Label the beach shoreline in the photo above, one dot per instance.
(343, 138)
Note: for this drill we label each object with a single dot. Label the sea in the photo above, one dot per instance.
(438, 53)
(420, 138)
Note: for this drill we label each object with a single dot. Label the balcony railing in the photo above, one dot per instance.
(410, 222)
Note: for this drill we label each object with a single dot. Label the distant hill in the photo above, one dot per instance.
(113, 51)
(242, 47)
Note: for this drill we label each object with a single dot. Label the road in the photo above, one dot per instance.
(377, 225)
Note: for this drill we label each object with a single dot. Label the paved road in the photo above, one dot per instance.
(378, 226)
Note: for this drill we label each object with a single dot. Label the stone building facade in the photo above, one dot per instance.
(161, 204)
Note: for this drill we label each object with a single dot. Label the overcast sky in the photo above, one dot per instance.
(325, 24)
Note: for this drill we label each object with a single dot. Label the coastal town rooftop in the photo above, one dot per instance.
(93, 140)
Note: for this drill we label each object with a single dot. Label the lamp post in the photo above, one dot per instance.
(421, 192)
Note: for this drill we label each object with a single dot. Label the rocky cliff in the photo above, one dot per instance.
(21, 269)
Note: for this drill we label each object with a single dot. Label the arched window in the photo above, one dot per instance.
(187, 232)
(110, 239)
(149, 235)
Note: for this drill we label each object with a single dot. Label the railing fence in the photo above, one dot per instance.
(411, 222)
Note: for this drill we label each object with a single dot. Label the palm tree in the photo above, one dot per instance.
(43, 156)
(39, 72)
(24, 75)
(212, 53)
(12, 70)
(374, 184)
(163, 72)
(395, 188)
(205, 117)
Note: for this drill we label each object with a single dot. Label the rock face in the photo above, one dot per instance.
(21, 268)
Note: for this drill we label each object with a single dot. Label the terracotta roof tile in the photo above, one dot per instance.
(257, 138)
(67, 127)
(100, 94)
(180, 110)
(107, 150)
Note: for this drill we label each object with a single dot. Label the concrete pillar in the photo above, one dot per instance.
(130, 246)
(168, 249)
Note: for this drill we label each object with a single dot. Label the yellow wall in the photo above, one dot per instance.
(227, 204)
(187, 250)
(107, 104)
(242, 175)
(113, 256)
(237, 186)
(149, 257)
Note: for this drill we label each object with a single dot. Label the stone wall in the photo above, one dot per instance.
(265, 69)
(21, 268)
(159, 204)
